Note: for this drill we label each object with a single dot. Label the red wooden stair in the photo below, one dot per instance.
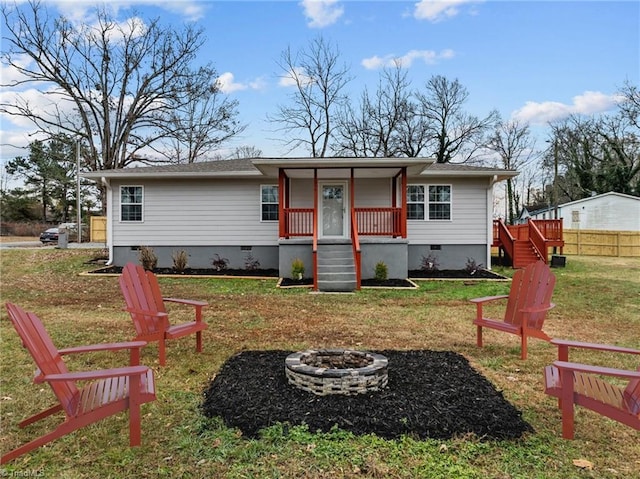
(527, 243)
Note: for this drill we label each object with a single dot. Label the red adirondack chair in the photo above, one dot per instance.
(584, 385)
(104, 392)
(528, 301)
(145, 304)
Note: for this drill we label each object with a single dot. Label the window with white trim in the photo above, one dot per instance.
(131, 203)
(415, 202)
(429, 202)
(269, 202)
(439, 202)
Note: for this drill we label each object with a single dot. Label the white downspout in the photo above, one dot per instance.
(492, 182)
(109, 231)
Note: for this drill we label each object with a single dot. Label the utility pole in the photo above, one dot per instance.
(555, 178)
(78, 202)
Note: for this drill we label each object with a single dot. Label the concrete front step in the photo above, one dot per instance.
(336, 268)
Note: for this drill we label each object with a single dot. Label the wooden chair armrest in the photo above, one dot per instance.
(565, 343)
(587, 368)
(485, 299)
(103, 347)
(538, 310)
(146, 313)
(100, 374)
(190, 302)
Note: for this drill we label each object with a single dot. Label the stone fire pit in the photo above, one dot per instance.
(337, 371)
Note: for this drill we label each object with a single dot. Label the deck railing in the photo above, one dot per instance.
(379, 221)
(538, 240)
(369, 221)
(298, 222)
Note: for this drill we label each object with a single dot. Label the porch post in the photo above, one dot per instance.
(282, 220)
(403, 196)
(352, 187)
(314, 250)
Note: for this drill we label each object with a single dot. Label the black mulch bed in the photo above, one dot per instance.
(455, 274)
(288, 282)
(431, 394)
(270, 273)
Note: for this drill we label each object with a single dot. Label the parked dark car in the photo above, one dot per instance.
(50, 236)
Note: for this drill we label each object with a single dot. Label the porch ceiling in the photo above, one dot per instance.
(333, 168)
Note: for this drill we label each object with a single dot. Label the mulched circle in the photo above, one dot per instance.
(431, 394)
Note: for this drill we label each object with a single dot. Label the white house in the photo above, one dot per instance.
(393, 210)
(608, 211)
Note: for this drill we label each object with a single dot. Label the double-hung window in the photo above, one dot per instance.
(269, 202)
(439, 202)
(429, 202)
(415, 202)
(131, 203)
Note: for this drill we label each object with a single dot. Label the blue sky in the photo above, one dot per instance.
(537, 61)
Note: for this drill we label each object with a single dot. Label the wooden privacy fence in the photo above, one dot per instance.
(602, 243)
(98, 229)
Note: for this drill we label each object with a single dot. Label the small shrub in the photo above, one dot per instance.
(219, 263)
(472, 267)
(251, 263)
(382, 271)
(148, 258)
(180, 259)
(297, 269)
(429, 263)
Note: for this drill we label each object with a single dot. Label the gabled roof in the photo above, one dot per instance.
(302, 167)
(602, 195)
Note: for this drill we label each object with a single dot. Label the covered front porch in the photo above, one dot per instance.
(343, 215)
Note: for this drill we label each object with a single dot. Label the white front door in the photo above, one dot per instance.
(333, 207)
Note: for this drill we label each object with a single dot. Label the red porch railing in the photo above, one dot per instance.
(379, 221)
(298, 222)
(369, 221)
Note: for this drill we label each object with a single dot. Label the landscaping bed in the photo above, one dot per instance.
(430, 394)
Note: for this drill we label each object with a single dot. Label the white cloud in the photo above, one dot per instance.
(438, 10)
(322, 13)
(430, 57)
(227, 83)
(292, 78)
(80, 10)
(588, 103)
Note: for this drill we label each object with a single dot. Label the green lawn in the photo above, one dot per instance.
(598, 299)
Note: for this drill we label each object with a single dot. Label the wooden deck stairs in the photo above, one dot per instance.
(527, 243)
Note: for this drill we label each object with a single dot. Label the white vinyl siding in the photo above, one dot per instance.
(193, 213)
(469, 216)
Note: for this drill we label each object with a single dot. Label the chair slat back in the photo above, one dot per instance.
(141, 292)
(631, 396)
(531, 287)
(39, 344)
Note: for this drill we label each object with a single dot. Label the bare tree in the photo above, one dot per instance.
(200, 121)
(513, 143)
(115, 85)
(246, 151)
(385, 125)
(596, 155)
(319, 80)
(630, 104)
(457, 136)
